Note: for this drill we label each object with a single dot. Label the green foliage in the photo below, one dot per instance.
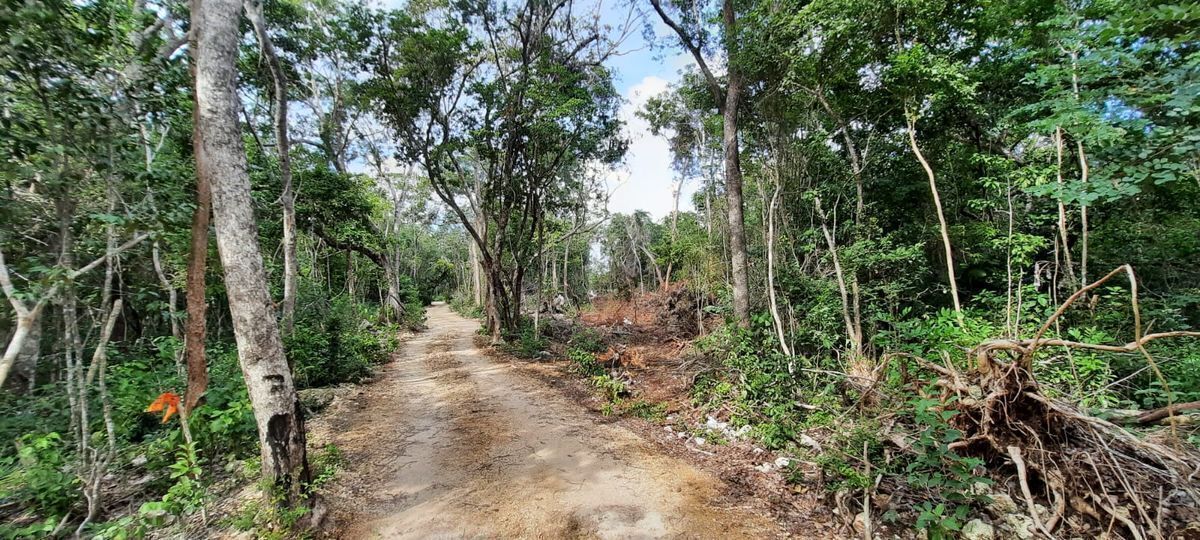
(525, 342)
(338, 346)
(584, 362)
(646, 410)
(762, 390)
(325, 465)
(612, 388)
(842, 459)
(38, 475)
(945, 477)
(466, 307)
(587, 340)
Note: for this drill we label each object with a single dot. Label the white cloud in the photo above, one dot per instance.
(646, 180)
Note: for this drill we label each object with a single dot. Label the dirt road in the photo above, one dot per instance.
(452, 444)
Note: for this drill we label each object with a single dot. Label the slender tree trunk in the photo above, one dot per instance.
(566, 282)
(1083, 215)
(937, 203)
(221, 160)
(783, 346)
(195, 331)
(1084, 170)
(351, 277)
(1062, 211)
(851, 321)
(287, 198)
(1009, 326)
(172, 294)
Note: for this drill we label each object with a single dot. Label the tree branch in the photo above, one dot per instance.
(686, 40)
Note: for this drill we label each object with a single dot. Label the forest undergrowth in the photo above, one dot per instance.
(946, 440)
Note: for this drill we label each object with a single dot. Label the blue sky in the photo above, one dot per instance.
(646, 179)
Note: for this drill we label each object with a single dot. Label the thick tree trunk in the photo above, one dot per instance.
(733, 193)
(25, 369)
(220, 159)
(15, 345)
(729, 99)
(476, 275)
(287, 197)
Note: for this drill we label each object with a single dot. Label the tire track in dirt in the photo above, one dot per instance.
(451, 444)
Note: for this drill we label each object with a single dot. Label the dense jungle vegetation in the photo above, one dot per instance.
(957, 243)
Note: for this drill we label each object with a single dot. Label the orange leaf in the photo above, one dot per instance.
(166, 400)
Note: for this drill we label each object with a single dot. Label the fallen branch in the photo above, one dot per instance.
(1168, 411)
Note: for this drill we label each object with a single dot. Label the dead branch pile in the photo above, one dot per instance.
(1093, 475)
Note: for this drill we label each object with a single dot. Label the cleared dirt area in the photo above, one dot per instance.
(450, 443)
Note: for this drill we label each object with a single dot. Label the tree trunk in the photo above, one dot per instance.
(1062, 212)
(783, 346)
(15, 345)
(221, 160)
(196, 327)
(26, 366)
(287, 198)
(937, 203)
(476, 278)
(1083, 215)
(733, 191)
(172, 294)
(728, 101)
(852, 322)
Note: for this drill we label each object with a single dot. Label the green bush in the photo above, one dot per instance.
(338, 346)
(38, 475)
(584, 362)
(944, 478)
(587, 339)
(466, 307)
(525, 343)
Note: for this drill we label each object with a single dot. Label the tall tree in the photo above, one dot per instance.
(287, 196)
(504, 119)
(729, 100)
(221, 161)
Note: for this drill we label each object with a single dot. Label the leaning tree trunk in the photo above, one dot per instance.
(937, 204)
(221, 160)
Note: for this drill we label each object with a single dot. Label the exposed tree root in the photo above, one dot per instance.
(1092, 473)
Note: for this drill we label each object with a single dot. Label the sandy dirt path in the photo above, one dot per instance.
(450, 443)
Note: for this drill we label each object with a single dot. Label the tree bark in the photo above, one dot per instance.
(196, 327)
(29, 314)
(221, 161)
(1062, 211)
(733, 172)
(26, 367)
(287, 197)
(852, 322)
